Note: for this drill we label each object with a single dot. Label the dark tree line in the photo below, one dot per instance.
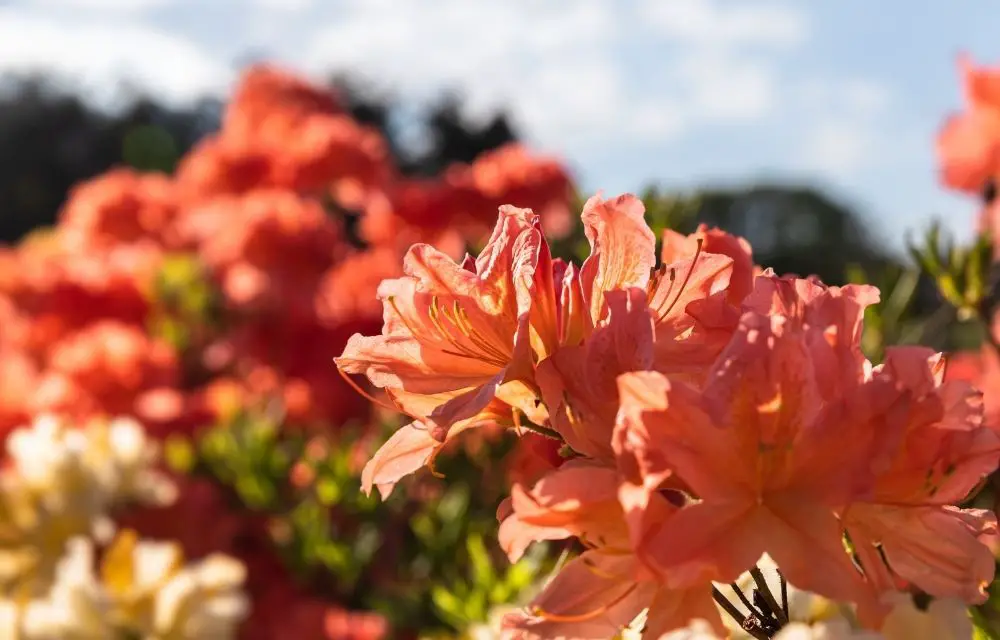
(51, 138)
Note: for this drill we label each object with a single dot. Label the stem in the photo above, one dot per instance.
(765, 592)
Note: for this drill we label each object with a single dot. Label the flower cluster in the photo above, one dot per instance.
(58, 492)
(61, 482)
(707, 413)
(144, 591)
(190, 300)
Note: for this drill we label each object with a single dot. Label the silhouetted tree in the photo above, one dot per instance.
(51, 138)
(793, 229)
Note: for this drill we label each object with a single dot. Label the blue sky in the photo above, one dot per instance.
(847, 95)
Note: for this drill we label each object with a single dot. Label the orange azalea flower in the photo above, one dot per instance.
(622, 251)
(830, 319)
(705, 239)
(677, 322)
(906, 528)
(265, 90)
(579, 384)
(457, 337)
(768, 459)
(968, 145)
(603, 590)
(121, 206)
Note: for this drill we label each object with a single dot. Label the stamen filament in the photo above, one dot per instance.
(728, 606)
(765, 592)
(364, 394)
(746, 602)
(687, 279)
(784, 594)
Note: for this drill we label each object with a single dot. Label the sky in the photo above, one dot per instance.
(844, 95)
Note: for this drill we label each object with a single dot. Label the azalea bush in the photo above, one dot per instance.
(289, 392)
(206, 307)
(730, 443)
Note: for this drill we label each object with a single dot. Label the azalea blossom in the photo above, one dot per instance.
(767, 461)
(968, 144)
(907, 528)
(456, 340)
(515, 332)
(599, 593)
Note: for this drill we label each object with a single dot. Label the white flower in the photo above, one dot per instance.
(63, 482)
(836, 629)
(697, 630)
(201, 602)
(122, 460)
(77, 608)
(944, 619)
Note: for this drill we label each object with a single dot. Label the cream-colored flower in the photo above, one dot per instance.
(697, 630)
(492, 629)
(122, 459)
(836, 629)
(49, 462)
(803, 606)
(944, 619)
(813, 617)
(156, 597)
(77, 608)
(63, 482)
(203, 601)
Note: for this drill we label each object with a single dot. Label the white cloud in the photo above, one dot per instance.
(567, 69)
(130, 6)
(98, 55)
(723, 87)
(718, 24)
(846, 120)
(553, 63)
(286, 6)
(837, 147)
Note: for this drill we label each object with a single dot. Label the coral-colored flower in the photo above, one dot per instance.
(678, 247)
(460, 204)
(221, 166)
(55, 292)
(268, 249)
(599, 593)
(768, 459)
(456, 338)
(104, 368)
(348, 289)
(579, 383)
(968, 145)
(266, 91)
(533, 456)
(906, 529)
(121, 206)
(512, 175)
(677, 322)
